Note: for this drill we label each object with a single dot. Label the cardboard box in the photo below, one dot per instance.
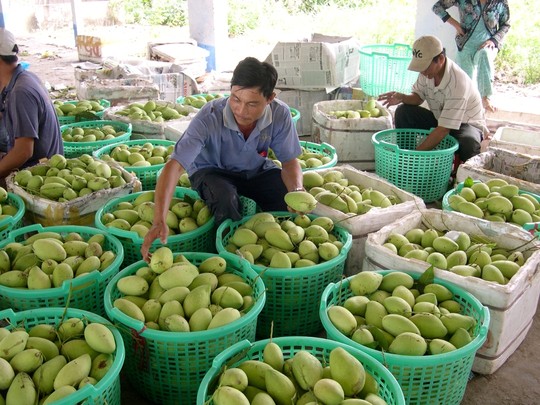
(323, 62)
(303, 101)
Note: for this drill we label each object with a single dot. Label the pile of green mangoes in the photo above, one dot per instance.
(370, 110)
(308, 159)
(154, 111)
(48, 259)
(300, 379)
(90, 134)
(198, 100)
(172, 294)
(69, 108)
(45, 362)
(60, 179)
(6, 209)
(332, 188)
(495, 200)
(143, 155)
(458, 253)
(270, 241)
(389, 312)
(184, 215)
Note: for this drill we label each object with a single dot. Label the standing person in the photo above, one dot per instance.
(224, 151)
(480, 32)
(32, 128)
(455, 105)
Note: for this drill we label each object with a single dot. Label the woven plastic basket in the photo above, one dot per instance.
(459, 187)
(389, 389)
(423, 173)
(81, 292)
(293, 295)
(198, 240)
(12, 222)
(76, 149)
(429, 379)
(324, 149)
(147, 175)
(70, 119)
(295, 115)
(167, 367)
(107, 390)
(385, 68)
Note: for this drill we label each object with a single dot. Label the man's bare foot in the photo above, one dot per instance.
(487, 105)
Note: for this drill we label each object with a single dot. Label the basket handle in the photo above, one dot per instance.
(227, 355)
(388, 145)
(329, 147)
(219, 234)
(30, 228)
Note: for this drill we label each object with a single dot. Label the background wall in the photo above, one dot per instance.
(427, 23)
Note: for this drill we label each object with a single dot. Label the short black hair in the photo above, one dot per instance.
(442, 53)
(251, 72)
(9, 59)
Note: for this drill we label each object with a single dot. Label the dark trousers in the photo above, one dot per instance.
(221, 189)
(468, 136)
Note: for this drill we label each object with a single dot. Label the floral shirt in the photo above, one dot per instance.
(495, 13)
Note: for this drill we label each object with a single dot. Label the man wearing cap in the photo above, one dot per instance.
(455, 105)
(27, 112)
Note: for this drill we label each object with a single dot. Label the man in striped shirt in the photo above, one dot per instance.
(455, 105)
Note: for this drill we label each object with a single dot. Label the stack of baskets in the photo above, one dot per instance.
(11, 222)
(385, 68)
(423, 173)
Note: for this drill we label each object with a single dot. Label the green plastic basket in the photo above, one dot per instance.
(423, 173)
(198, 240)
(446, 206)
(389, 389)
(293, 295)
(147, 175)
(12, 222)
(429, 379)
(70, 119)
(385, 68)
(81, 292)
(76, 149)
(167, 367)
(107, 390)
(324, 149)
(295, 115)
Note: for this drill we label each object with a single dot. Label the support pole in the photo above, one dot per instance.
(2, 22)
(75, 5)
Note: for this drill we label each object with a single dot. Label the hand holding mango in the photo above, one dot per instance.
(300, 201)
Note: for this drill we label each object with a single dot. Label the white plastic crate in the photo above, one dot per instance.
(522, 170)
(517, 140)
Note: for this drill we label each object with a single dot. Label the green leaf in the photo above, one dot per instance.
(86, 116)
(383, 338)
(427, 277)
(468, 182)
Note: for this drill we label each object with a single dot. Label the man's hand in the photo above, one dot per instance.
(391, 98)
(488, 44)
(158, 230)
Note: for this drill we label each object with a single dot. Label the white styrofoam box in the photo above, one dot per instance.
(516, 140)
(510, 310)
(376, 218)
(505, 236)
(489, 364)
(322, 62)
(303, 101)
(516, 168)
(79, 211)
(351, 137)
(148, 128)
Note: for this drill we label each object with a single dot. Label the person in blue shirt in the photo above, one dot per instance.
(31, 125)
(224, 150)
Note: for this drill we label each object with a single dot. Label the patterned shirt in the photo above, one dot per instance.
(455, 100)
(495, 14)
